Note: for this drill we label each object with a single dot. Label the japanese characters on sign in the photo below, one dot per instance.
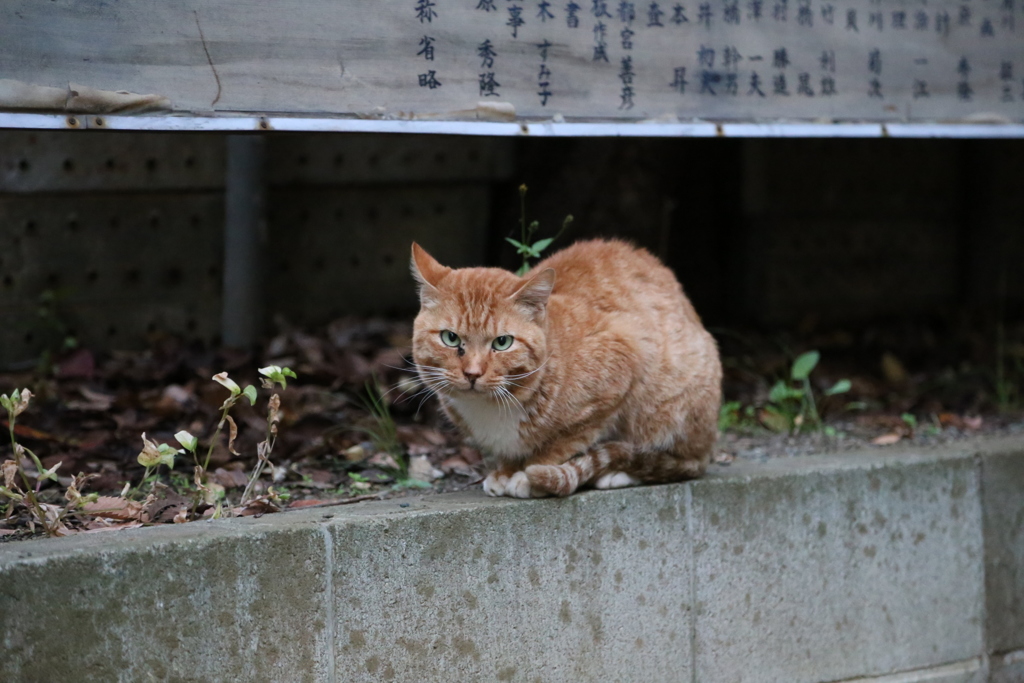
(813, 58)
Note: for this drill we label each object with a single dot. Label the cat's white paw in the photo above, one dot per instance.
(516, 486)
(495, 484)
(615, 480)
(519, 486)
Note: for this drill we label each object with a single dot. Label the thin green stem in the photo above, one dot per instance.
(812, 407)
(522, 225)
(213, 442)
(10, 426)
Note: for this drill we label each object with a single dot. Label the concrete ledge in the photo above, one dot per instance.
(891, 567)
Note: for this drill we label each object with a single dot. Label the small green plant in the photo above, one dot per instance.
(273, 375)
(525, 246)
(358, 478)
(153, 455)
(200, 488)
(734, 415)
(384, 435)
(383, 432)
(791, 404)
(1007, 387)
(17, 486)
(52, 329)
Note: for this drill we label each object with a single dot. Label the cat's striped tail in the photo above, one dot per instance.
(614, 464)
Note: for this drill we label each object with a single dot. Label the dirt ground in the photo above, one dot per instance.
(923, 382)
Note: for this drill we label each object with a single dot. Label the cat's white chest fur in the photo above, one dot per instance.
(493, 425)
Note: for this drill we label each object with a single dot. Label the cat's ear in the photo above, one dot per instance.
(534, 293)
(428, 272)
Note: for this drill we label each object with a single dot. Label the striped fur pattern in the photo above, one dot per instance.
(609, 379)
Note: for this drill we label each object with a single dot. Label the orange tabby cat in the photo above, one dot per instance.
(593, 369)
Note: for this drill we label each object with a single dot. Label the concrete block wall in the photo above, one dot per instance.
(891, 567)
(127, 229)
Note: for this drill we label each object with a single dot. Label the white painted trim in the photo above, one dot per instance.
(778, 129)
(37, 121)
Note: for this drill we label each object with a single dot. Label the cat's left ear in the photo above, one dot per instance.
(428, 272)
(534, 293)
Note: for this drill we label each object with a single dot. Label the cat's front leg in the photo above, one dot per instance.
(570, 463)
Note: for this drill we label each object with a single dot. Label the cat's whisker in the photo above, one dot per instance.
(426, 388)
(512, 401)
(499, 396)
(516, 400)
(436, 389)
(496, 395)
(394, 388)
(527, 374)
(500, 392)
(406, 390)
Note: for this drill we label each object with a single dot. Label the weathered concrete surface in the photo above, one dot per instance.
(198, 602)
(1002, 485)
(867, 566)
(863, 566)
(1007, 668)
(592, 588)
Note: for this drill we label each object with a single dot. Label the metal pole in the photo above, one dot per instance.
(245, 240)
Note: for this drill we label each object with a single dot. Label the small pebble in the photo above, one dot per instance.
(403, 505)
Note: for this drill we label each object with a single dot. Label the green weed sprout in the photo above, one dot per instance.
(791, 404)
(153, 455)
(525, 246)
(383, 433)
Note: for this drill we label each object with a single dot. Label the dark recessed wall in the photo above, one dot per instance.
(773, 231)
(126, 228)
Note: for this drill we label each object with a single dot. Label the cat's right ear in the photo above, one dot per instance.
(533, 295)
(428, 272)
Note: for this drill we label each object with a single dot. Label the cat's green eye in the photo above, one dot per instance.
(449, 338)
(503, 342)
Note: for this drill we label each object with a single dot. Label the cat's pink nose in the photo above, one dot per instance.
(472, 377)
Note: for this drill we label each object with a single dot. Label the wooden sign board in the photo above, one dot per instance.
(577, 60)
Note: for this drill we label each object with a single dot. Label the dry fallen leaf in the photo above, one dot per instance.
(471, 455)
(230, 479)
(114, 508)
(256, 507)
(892, 369)
(383, 460)
(94, 401)
(232, 434)
(355, 453)
(421, 469)
(886, 439)
(973, 422)
(457, 465)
